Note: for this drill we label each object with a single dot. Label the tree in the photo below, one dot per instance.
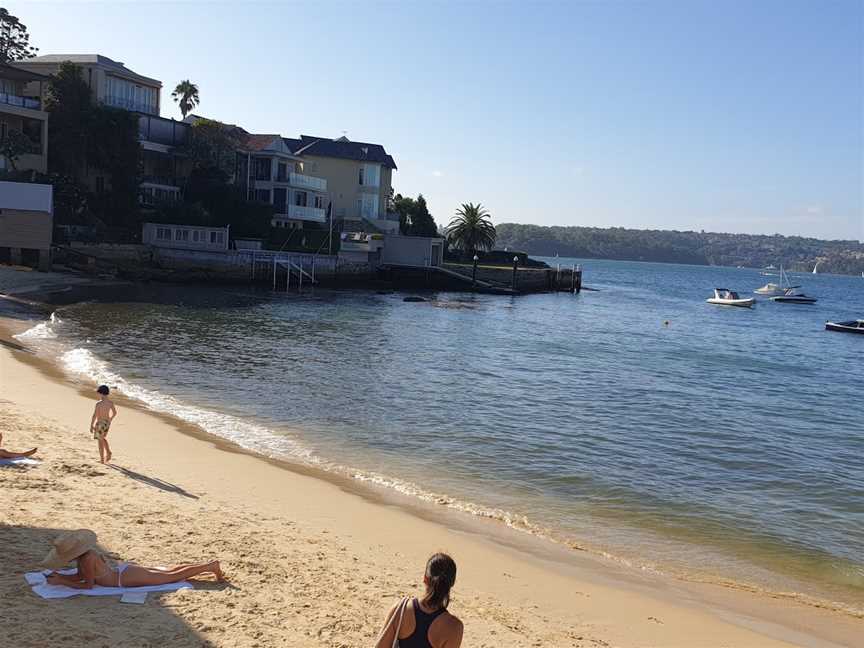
(212, 144)
(471, 229)
(414, 216)
(14, 39)
(186, 96)
(82, 135)
(68, 101)
(422, 223)
(13, 145)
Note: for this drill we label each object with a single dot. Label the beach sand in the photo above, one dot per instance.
(311, 561)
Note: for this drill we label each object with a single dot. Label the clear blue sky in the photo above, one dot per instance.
(725, 116)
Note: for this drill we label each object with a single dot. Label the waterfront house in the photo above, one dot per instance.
(359, 179)
(113, 84)
(26, 223)
(272, 175)
(185, 237)
(21, 110)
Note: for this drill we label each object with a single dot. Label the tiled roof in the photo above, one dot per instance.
(341, 148)
(260, 142)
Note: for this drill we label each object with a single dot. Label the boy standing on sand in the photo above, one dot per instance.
(101, 422)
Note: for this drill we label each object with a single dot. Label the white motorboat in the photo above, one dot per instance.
(772, 289)
(792, 296)
(726, 297)
(855, 326)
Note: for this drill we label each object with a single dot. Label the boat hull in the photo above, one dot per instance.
(844, 327)
(794, 300)
(742, 303)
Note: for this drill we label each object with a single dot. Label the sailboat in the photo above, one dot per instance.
(772, 289)
(816, 267)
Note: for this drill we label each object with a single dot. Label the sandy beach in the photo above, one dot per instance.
(311, 561)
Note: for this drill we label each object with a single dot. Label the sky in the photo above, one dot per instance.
(732, 116)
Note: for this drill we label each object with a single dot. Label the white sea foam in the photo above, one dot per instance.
(83, 363)
(80, 362)
(42, 330)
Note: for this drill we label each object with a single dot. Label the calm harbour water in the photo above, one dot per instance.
(728, 443)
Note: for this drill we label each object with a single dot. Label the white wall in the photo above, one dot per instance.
(27, 196)
(412, 250)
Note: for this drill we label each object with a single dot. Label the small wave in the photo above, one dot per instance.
(42, 330)
(250, 436)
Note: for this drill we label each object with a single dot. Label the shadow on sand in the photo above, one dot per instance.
(155, 482)
(82, 620)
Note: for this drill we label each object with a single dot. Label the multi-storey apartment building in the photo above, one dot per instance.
(358, 175)
(21, 110)
(273, 175)
(113, 84)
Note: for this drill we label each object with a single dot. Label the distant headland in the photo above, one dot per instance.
(699, 248)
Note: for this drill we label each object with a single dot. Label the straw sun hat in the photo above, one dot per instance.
(69, 546)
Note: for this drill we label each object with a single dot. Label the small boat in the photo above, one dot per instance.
(855, 326)
(726, 297)
(772, 289)
(792, 296)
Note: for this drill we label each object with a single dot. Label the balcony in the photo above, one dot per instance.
(129, 104)
(307, 182)
(155, 190)
(310, 214)
(160, 130)
(21, 102)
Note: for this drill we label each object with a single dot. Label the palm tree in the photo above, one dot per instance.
(471, 229)
(186, 95)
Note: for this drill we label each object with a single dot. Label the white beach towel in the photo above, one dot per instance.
(20, 461)
(46, 591)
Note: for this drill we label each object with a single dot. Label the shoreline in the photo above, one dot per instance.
(509, 528)
(731, 607)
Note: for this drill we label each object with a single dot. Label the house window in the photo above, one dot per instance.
(300, 198)
(262, 196)
(367, 206)
(261, 168)
(181, 235)
(282, 173)
(163, 233)
(195, 235)
(280, 199)
(217, 238)
(131, 96)
(369, 175)
(319, 202)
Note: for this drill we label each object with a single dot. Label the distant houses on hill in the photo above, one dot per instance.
(306, 183)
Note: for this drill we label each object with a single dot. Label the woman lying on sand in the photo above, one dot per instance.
(93, 570)
(7, 454)
(426, 623)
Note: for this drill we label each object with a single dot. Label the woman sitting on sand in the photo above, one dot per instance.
(426, 623)
(94, 570)
(7, 454)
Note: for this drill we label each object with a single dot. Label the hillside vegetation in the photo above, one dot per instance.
(700, 248)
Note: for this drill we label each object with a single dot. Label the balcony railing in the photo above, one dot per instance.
(307, 214)
(21, 102)
(155, 194)
(307, 182)
(162, 181)
(129, 104)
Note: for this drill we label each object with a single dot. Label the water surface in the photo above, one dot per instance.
(639, 421)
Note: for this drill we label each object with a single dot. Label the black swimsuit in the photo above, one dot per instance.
(422, 621)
